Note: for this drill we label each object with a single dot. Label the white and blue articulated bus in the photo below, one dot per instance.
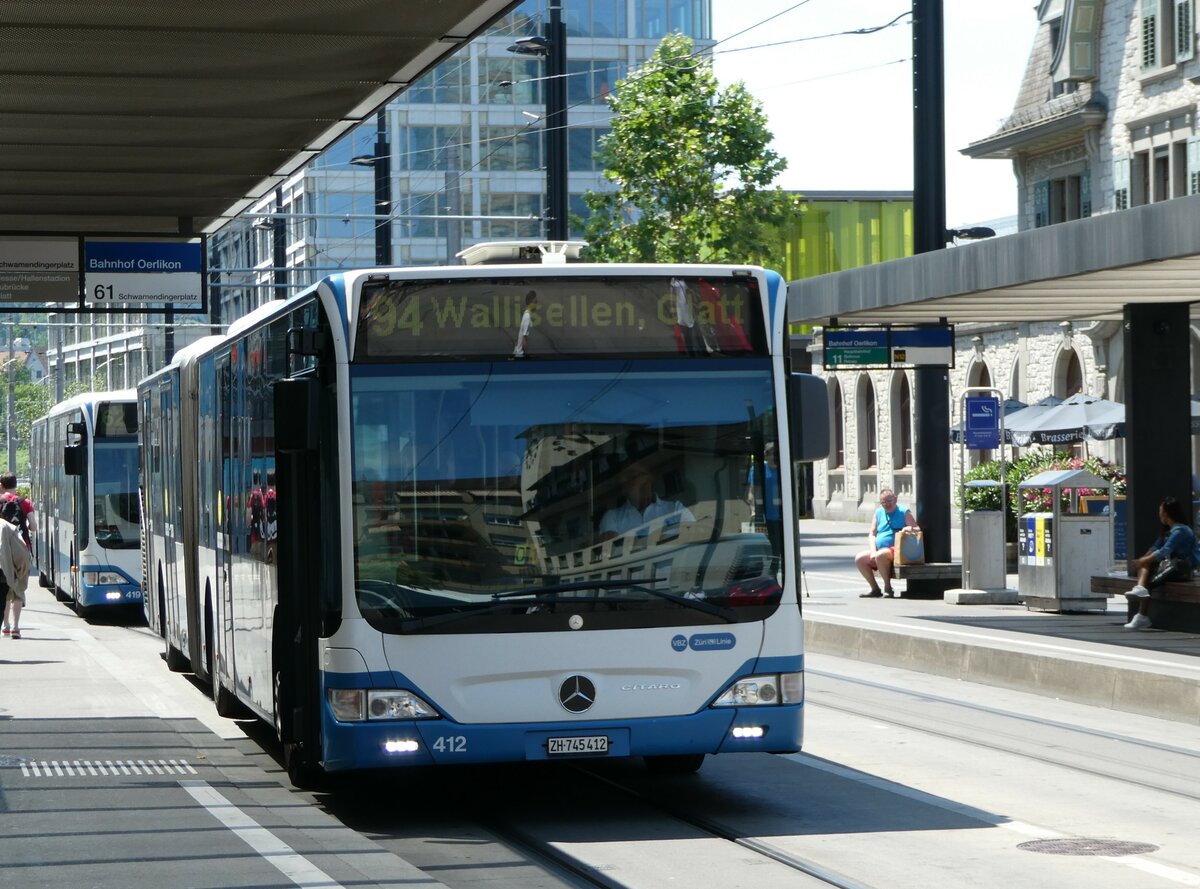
(84, 480)
(169, 487)
(494, 512)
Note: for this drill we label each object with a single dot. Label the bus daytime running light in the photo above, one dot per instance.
(401, 745)
(748, 731)
(112, 596)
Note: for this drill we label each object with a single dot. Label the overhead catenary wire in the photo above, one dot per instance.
(591, 99)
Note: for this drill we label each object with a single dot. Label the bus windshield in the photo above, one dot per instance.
(116, 492)
(505, 497)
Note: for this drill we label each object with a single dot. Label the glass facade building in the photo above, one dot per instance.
(465, 157)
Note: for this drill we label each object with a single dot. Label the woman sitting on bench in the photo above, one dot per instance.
(1173, 556)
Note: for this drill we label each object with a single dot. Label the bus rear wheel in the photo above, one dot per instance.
(677, 764)
(176, 662)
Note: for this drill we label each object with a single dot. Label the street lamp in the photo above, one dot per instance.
(381, 161)
(974, 233)
(553, 47)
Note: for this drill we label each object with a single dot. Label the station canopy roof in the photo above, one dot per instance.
(131, 115)
(1086, 270)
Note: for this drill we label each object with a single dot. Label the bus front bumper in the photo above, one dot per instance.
(374, 745)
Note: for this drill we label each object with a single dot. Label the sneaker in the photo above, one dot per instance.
(16, 634)
(6, 630)
(873, 594)
(1138, 592)
(1139, 622)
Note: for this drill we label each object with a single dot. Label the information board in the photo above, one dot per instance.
(922, 345)
(887, 347)
(78, 273)
(39, 269)
(856, 348)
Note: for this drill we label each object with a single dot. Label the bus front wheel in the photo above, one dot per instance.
(302, 768)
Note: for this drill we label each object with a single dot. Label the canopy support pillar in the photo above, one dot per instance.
(1157, 375)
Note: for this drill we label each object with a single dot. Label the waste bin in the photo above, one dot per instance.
(1059, 548)
(983, 550)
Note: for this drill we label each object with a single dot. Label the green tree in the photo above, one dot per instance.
(690, 166)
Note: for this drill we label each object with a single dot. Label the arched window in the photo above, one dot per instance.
(1070, 380)
(837, 422)
(902, 448)
(865, 424)
(1070, 375)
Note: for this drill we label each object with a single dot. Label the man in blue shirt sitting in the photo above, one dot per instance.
(889, 518)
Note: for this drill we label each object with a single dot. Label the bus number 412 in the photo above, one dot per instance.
(450, 744)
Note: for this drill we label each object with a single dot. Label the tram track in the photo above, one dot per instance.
(1017, 743)
(718, 831)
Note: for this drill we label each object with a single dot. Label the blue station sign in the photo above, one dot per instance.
(167, 273)
(981, 429)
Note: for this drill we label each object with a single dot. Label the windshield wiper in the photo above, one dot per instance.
(549, 594)
(728, 614)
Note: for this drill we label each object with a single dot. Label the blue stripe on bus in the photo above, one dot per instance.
(96, 594)
(363, 745)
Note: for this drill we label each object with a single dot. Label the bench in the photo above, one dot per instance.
(1173, 606)
(929, 580)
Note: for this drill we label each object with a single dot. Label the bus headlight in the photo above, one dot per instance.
(95, 578)
(753, 691)
(358, 704)
(397, 705)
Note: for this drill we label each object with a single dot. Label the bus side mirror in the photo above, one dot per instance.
(73, 457)
(296, 426)
(808, 417)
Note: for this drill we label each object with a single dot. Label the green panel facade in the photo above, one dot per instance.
(833, 234)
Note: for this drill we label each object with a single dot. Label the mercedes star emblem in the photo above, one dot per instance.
(577, 694)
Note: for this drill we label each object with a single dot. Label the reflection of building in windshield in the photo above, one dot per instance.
(696, 531)
(477, 484)
(462, 533)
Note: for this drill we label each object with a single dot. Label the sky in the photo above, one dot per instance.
(840, 108)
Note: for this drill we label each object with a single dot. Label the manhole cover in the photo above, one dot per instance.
(1086, 846)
